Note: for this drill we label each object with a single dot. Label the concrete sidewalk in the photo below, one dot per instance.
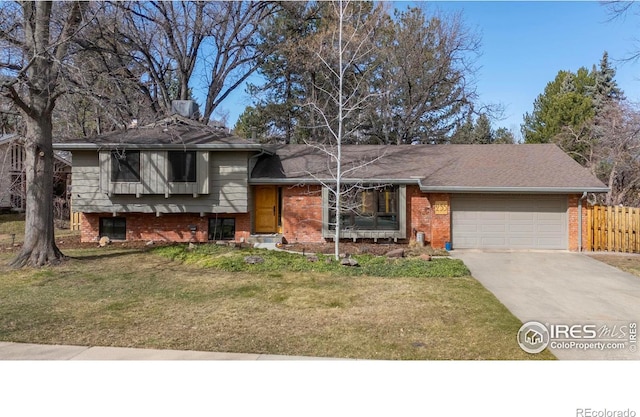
(27, 351)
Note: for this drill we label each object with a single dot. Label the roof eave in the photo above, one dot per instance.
(511, 190)
(305, 181)
(164, 147)
(443, 189)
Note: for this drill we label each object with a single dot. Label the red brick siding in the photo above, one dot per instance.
(573, 201)
(302, 213)
(168, 227)
(440, 223)
(418, 213)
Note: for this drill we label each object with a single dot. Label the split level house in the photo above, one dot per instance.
(177, 180)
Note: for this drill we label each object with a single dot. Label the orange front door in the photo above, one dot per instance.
(266, 209)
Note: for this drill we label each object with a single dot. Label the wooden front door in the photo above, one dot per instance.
(266, 209)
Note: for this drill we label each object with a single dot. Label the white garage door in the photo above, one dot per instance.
(509, 221)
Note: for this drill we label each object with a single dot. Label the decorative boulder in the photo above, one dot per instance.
(253, 260)
(396, 253)
(104, 241)
(349, 262)
(425, 257)
(312, 258)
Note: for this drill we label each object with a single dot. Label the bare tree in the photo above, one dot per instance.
(343, 95)
(231, 53)
(35, 38)
(169, 39)
(426, 70)
(609, 145)
(617, 146)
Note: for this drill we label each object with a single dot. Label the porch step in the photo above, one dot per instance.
(265, 238)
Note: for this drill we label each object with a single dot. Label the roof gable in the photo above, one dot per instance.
(175, 132)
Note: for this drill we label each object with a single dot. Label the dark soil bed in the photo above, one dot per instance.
(357, 248)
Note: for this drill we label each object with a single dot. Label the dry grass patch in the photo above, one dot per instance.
(133, 298)
(628, 262)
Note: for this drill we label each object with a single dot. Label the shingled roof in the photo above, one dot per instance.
(174, 132)
(451, 168)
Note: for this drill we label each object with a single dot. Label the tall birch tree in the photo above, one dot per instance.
(344, 45)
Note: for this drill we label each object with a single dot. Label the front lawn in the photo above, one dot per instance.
(629, 262)
(172, 298)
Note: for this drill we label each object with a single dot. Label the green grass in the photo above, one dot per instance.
(170, 298)
(11, 224)
(12, 230)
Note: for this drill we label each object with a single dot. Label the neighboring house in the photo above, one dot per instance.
(181, 181)
(12, 175)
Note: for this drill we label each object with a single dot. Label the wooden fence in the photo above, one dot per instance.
(613, 229)
(74, 223)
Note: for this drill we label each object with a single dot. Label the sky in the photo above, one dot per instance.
(524, 45)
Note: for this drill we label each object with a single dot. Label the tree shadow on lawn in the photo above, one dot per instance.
(114, 253)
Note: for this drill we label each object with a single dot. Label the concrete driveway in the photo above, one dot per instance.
(562, 288)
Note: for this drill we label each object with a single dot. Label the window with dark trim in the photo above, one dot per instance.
(113, 227)
(222, 228)
(367, 208)
(182, 166)
(125, 166)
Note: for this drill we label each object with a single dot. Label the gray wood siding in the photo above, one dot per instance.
(154, 171)
(222, 185)
(229, 180)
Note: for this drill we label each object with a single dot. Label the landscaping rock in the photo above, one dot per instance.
(104, 241)
(150, 243)
(191, 246)
(396, 253)
(253, 259)
(312, 258)
(425, 257)
(349, 262)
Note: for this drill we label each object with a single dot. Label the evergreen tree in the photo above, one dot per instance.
(482, 132)
(564, 103)
(463, 132)
(605, 88)
(503, 135)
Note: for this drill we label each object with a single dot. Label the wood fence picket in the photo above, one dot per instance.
(613, 229)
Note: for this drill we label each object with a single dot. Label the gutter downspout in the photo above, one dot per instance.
(584, 195)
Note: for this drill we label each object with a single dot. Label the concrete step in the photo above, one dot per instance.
(272, 238)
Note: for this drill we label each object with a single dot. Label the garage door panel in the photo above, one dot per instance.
(491, 216)
(515, 216)
(492, 241)
(521, 228)
(547, 228)
(509, 221)
(520, 242)
(492, 228)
